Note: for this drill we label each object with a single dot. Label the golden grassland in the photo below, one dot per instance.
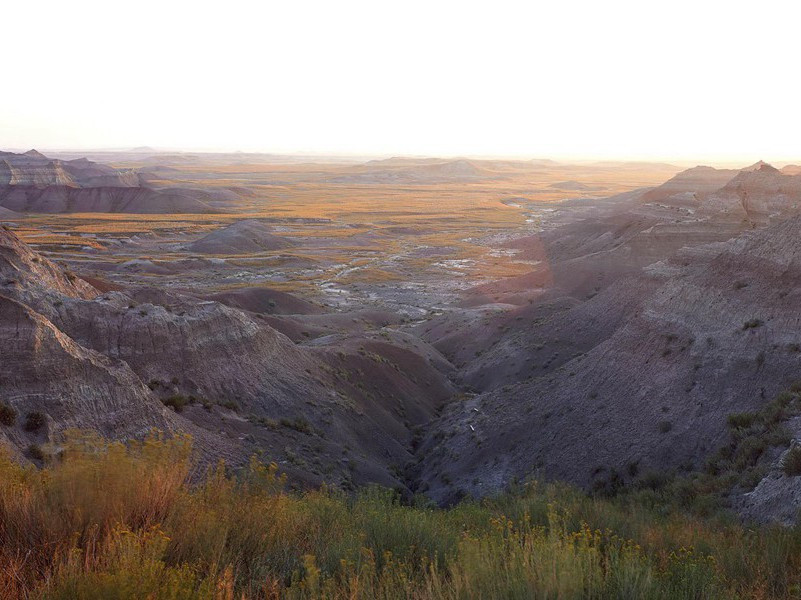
(463, 205)
(362, 220)
(112, 521)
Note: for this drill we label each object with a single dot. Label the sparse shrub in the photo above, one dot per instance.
(298, 424)
(792, 462)
(8, 414)
(230, 405)
(741, 420)
(34, 421)
(752, 324)
(35, 452)
(177, 402)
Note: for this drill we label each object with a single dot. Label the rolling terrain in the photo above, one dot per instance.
(445, 326)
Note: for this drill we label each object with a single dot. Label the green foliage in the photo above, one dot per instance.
(739, 463)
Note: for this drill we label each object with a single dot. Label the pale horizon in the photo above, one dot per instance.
(146, 150)
(677, 83)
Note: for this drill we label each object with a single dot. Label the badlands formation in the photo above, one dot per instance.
(553, 325)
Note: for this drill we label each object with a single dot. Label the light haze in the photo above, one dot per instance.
(710, 81)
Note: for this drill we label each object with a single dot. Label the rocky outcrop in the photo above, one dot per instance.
(690, 186)
(31, 182)
(34, 173)
(34, 169)
(43, 370)
(759, 196)
(30, 275)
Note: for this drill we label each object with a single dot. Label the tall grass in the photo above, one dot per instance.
(114, 521)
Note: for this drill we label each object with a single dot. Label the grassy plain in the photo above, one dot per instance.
(353, 233)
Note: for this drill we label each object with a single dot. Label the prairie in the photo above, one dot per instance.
(364, 234)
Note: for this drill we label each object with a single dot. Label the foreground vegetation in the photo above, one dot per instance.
(112, 521)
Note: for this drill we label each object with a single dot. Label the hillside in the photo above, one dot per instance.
(242, 237)
(113, 361)
(636, 368)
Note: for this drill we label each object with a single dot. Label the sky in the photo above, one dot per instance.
(645, 80)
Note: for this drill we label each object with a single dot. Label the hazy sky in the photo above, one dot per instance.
(603, 78)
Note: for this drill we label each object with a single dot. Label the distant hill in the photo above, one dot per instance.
(32, 182)
(431, 171)
(757, 193)
(6, 213)
(242, 237)
(266, 301)
(697, 182)
(34, 168)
